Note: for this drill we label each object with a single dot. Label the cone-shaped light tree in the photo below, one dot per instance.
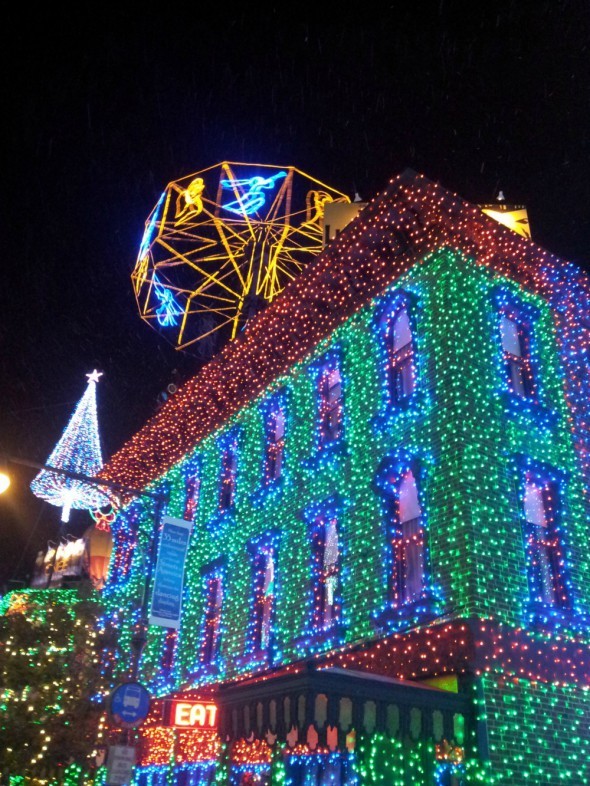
(78, 452)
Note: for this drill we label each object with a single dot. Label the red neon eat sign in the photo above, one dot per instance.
(194, 714)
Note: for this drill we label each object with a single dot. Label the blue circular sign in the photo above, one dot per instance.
(129, 704)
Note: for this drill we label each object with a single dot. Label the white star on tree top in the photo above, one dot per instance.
(94, 376)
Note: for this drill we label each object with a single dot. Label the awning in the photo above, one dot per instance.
(322, 706)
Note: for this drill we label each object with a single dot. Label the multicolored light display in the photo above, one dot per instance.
(458, 421)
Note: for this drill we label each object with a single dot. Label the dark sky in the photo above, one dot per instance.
(102, 109)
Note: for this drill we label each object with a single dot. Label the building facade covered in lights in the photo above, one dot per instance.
(386, 472)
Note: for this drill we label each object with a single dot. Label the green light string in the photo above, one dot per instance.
(462, 425)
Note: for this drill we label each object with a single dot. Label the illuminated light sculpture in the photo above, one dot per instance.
(206, 263)
(252, 199)
(78, 451)
(168, 311)
(100, 546)
(464, 454)
(104, 516)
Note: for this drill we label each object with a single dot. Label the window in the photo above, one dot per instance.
(227, 487)
(275, 444)
(542, 541)
(515, 334)
(407, 543)
(108, 659)
(124, 557)
(326, 570)
(212, 621)
(330, 406)
(395, 330)
(125, 546)
(400, 356)
(405, 577)
(169, 649)
(264, 596)
(192, 487)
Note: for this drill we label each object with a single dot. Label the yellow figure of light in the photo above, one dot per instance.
(190, 201)
(141, 270)
(316, 202)
(512, 216)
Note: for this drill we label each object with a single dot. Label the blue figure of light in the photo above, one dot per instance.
(168, 310)
(149, 232)
(253, 198)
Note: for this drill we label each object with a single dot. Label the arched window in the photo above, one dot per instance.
(400, 356)
(264, 595)
(330, 405)
(542, 541)
(212, 620)
(515, 335)
(326, 569)
(275, 444)
(407, 541)
(169, 650)
(227, 485)
(124, 546)
(192, 488)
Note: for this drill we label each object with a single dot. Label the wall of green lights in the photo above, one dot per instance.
(471, 439)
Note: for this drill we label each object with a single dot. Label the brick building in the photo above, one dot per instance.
(388, 574)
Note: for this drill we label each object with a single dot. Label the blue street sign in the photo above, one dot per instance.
(129, 704)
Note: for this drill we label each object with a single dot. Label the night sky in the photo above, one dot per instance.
(102, 109)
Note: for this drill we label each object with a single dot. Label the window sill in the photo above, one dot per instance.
(530, 408)
(222, 518)
(546, 618)
(207, 671)
(268, 491)
(420, 611)
(255, 660)
(320, 640)
(327, 455)
(390, 415)
(386, 418)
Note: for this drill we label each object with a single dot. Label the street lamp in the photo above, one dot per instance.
(4, 481)
(4, 476)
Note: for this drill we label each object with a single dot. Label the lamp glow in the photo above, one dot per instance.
(4, 482)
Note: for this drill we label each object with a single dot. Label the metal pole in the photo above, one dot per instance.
(53, 561)
(92, 481)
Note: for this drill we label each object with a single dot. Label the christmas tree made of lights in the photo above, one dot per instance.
(77, 452)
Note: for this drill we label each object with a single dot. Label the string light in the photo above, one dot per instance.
(462, 425)
(48, 673)
(77, 451)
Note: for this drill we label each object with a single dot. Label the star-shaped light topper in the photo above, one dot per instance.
(94, 376)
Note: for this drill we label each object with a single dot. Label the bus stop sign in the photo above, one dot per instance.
(129, 705)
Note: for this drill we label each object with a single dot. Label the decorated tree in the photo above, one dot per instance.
(78, 452)
(50, 683)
